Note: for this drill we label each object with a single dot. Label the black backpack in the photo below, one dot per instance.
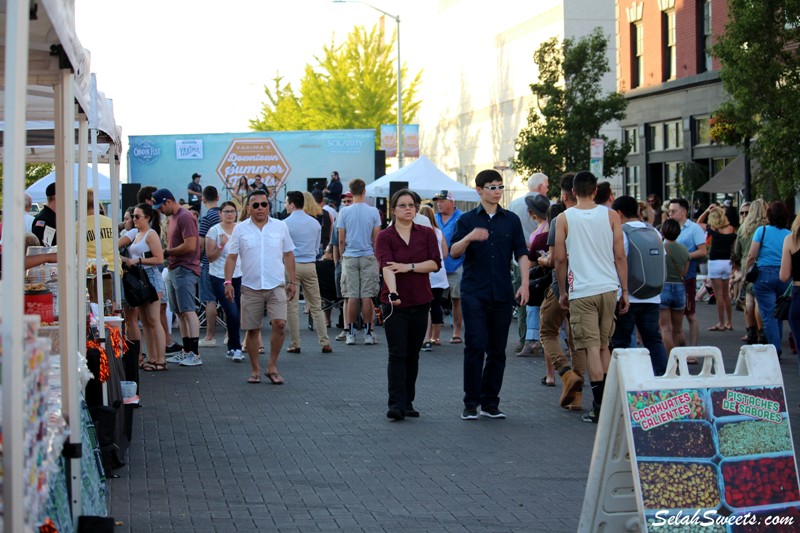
(646, 261)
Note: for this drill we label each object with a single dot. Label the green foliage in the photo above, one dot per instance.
(33, 173)
(353, 85)
(761, 73)
(569, 110)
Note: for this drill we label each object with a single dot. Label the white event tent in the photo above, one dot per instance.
(424, 178)
(47, 78)
(103, 193)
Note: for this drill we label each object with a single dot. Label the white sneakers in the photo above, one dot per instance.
(178, 357)
(191, 360)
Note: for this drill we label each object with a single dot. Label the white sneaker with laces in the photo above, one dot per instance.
(369, 339)
(237, 356)
(192, 360)
(350, 339)
(178, 357)
(229, 354)
(211, 343)
(341, 336)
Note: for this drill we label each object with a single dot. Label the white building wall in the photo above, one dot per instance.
(477, 63)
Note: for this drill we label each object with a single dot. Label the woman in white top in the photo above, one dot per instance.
(217, 245)
(145, 250)
(131, 315)
(438, 285)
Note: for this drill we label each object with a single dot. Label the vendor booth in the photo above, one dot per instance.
(51, 470)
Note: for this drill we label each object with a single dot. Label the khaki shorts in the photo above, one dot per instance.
(253, 303)
(454, 280)
(360, 277)
(592, 320)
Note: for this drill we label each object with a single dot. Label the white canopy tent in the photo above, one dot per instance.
(45, 78)
(425, 179)
(103, 193)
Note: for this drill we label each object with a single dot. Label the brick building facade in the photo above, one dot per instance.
(671, 82)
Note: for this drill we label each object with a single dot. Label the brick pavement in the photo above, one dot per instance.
(213, 453)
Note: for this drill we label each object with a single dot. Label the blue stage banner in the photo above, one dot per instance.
(285, 160)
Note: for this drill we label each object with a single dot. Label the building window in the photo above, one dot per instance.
(702, 130)
(704, 36)
(668, 32)
(672, 179)
(637, 55)
(633, 186)
(632, 140)
(673, 136)
(656, 137)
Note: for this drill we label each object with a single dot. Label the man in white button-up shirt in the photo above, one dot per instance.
(306, 233)
(265, 247)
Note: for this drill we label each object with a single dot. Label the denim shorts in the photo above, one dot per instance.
(673, 296)
(181, 288)
(206, 292)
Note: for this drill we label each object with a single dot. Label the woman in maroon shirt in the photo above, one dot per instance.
(406, 253)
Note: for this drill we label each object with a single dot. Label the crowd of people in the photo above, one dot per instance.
(561, 266)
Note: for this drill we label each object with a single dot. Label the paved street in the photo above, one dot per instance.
(213, 453)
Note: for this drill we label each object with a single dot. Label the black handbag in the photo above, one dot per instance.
(137, 287)
(752, 273)
(782, 305)
(539, 280)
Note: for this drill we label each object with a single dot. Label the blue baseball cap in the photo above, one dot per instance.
(161, 196)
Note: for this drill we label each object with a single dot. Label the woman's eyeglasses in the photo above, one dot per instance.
(228, 212)
(259, 204)
(404, 206)
(495, 187)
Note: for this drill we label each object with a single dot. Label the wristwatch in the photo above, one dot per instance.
(412, 267)
(393, 296)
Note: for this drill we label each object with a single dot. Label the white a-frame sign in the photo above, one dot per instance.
(710, 452)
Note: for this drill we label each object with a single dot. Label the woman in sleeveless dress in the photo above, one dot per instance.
(145, 251)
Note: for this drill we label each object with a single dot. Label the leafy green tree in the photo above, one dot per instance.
(353, 85)
(33, 173)
(282, 112)
(761, 73)
(569, 109)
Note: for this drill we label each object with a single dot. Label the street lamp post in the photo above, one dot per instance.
(399, 79)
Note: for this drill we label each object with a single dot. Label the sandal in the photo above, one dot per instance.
(261, 349)
(549, 383)
(154, 367)
(254, 379)
(274, 378)
(455, 340)
(436, 342)
(716, 327)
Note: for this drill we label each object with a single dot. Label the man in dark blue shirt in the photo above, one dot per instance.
(487, 237)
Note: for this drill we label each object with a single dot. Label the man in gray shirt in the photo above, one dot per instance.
(359, 225)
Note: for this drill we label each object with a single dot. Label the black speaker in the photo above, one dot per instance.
(395, 186)
(129, 192)
(382, 204)
(316, 183)
(380, 163)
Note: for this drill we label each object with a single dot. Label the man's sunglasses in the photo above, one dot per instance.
(495, 187)
(259, 204)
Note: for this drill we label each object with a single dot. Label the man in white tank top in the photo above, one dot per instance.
(591, 236)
